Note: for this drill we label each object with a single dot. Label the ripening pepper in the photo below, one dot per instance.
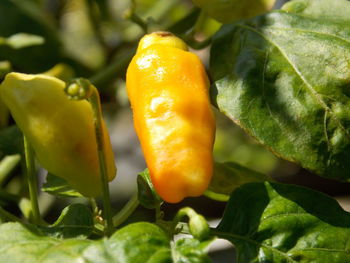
(168, 90)
(61, 131)
(226, 11)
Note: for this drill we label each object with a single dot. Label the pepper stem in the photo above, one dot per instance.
(190, 35)
(131, 15)
(97, 116)
(83, 89)
(197, 224)
(32, 180)
(126, 211)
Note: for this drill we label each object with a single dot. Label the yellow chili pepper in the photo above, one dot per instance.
(168, 90)
(61, 131)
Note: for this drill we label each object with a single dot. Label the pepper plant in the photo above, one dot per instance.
(282, 75)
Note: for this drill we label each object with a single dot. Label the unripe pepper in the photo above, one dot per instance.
(168, 90)
(61, 131)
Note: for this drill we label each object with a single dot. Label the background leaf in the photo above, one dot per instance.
(5, 67)
(27, 17)
(75, 221)
(285, 79)
(11, 141)
(228, 176)
(21, 40)
(270, 222)
(59, 187)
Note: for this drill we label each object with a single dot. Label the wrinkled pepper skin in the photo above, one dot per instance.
(227, 11)
(168, 90)
(61, 131)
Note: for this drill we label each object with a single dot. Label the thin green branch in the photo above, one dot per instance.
(190, 36)
(32, 180)
(126, 211)
(81, 89)
(96, 25)
(97, 115)
(195, 44)
(110, 72)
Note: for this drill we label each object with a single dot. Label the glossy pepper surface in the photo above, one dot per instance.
(226, 11)
(61, 131)
(168, 90)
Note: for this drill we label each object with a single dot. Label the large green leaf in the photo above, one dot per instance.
(132, 244)
(285, 77)
(136, 243)
(270, 222)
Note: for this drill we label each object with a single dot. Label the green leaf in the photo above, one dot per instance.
(337, 10)
(191, 250)
(228, 176)
(139, 242)
(147, 195)
(11, 141)
(285, 78)
(75, 221)
(57, 186)
(27, 17)
(21, 40)
(271, 222)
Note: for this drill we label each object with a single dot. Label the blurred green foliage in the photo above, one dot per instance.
(96, 39)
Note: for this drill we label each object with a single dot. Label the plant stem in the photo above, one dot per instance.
(139, 21)
(199, 23)
(93, 204)
(126, 211)
(32, 180)
(111, 71)
(95, 24)
(195, 44)
(97, 116)
(185, 211)
(159, 213)
(190, 36)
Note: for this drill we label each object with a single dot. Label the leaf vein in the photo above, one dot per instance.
(299, 74)
(234, 236)
(311, 31)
